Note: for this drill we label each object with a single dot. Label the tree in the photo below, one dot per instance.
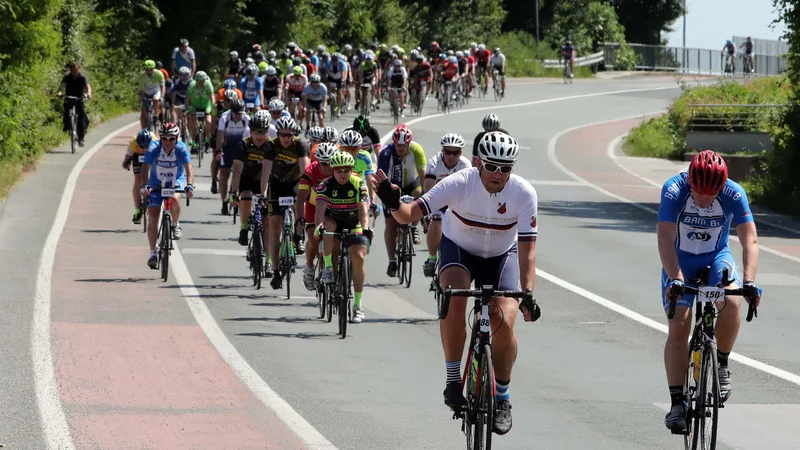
(589, 25)
(645, 20)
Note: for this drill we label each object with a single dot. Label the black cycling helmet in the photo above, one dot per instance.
(237, 105)
(361, 124)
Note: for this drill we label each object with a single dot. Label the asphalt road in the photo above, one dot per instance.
(129, 355)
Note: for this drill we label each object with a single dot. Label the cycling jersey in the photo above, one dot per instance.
(251, 90)
(748, 47)
(397, 77)
(702, 231)
(731, 47)
(497, 61)
(285, 160)
(200, 98)
(183, 59)
(151, 85)
(438, 170)
(297, 83)
(450, 70)
(335, 72)
(483, 56)
(343, 199)
(402, 172)
(312, 177)
(315, 95)
(422, 71)
(167, 167)
(234, 66)
(271, 85)
(481, 223)
(567, 51)
(221, 93)
(462, 66)
(363, 165)
(251, 156)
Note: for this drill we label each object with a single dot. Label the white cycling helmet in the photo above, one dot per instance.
(284, 123)
(350, 138)
(325, 151)
(276, 105)
(482, 47)
(234, 54)
(490, 122)
(498, 148)
(316, 133)
(473, 45)
(271, 71)
(262, 114)
(331, 134)
(452, 140)
(459, 54)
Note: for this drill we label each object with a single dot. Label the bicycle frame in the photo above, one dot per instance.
(255, 247)
(165, 245)
(288, 259)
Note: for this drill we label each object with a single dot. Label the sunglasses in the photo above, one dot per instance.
(275, 112)
(169, 138)
(258, 131)
(324, 164)
(285, 134)
(505, 170)
(451, 152)
(346, 148)
(347, 170)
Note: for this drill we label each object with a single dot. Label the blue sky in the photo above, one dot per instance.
(710, 22)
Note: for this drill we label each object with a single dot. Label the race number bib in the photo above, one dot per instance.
(167, 192)
(711, 294)
(286, 201)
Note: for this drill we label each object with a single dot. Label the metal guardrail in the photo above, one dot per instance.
(690, 60)
(750, 118)
(587, 60)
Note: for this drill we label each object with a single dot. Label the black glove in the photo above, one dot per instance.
(368, 233)
(389, 196)
(755, 291)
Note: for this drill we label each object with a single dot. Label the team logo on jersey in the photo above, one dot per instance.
(320, 187)
(350, 193)
(698, 236)
(501, 208)
(533, 222)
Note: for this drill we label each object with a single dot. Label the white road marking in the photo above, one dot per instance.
(301, 428)
(612, 154)
(780, 373)
(54, 422)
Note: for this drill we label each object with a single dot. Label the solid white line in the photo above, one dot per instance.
(780, 373)
(301, 428)
(613, 155)
(54, 422)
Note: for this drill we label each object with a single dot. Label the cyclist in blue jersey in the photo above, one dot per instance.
(568, 54)
(167, 164)
(315, 98)
(729, 51)
(252, 88)
(183, 56)
(178, 93)
(749, 48)
(694, 219)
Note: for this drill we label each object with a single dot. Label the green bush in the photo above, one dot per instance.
(626, 58)
(524, 56)
(654, 138)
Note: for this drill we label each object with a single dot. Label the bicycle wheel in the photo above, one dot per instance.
(484, 413)
(400, 256)
(409, 256)
(255, 256)
(342, 288)
(707, 408)
(73, 137)
(321, 292)
(143, 209)
(330, 297)
(286, 260)
(166, 243)
(200, 146)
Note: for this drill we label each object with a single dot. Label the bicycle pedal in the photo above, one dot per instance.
(683, 432)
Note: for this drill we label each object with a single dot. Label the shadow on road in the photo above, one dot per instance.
(402, 320)
(286, 319)
(330, 336)
(114, 231)
(309, 304)
(116, 280)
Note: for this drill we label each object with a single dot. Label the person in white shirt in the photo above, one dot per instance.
(234, 125)
(498, 61)
(488, 235)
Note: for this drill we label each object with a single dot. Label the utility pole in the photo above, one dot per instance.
(685, 51)
(536, 3)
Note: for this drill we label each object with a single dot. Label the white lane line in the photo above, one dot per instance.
(301, 428)
(54, 421)
(612, 154)
(780, 373)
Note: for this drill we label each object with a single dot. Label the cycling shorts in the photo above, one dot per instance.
(136, 162)
(337, 83)
(314, 105)
(193, 109)
(502, 271)
(278, 190)
(249, 184)
(155, 195)
(694, 265)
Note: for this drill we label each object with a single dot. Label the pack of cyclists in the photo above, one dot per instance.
(481, 219)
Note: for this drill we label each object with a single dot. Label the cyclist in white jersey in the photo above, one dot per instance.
(442, 164)
(234, 126)
(490, 209)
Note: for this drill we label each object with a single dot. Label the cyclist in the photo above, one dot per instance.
(151, 85)
(397, 77)
(315, 99)
(498, 61)
(246, 176)
(336, 70)
(272, 84)
(183, 56)
(286, 160)
(450, 73)
(444, 163)
(234, 126)
(178, 94)
(490, 123)
(495, 244)
(404, 162)
(167, 161)
(295, 84)
(315, 135)
(234, 66)
(694, 220)
(463, 66)
(568, 54)
(370, 138)
(314, 174)
(252, 88)
(729, 51)
(199, 97)
(330, 134)
(368, 74)
(749, 48)
(75, 84)
(482, 56)
(277, 109)
(350, 142)
(349, 200)
(135, 156)
(422, 72)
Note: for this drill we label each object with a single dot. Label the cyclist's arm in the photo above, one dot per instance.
(322, 206)
(527, 264)
(428, 184)
(185, 158)
(266, 174)
(749, 239)
(527, 231)
(221, 132)
(666, 232)
(88, 89)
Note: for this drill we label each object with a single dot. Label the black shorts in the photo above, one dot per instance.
(352, 239)
(502, 272)
(269, 94)
(483, 65)
(251, 184)
(314, 105)
(500, 70)
(336, 82)
(278, 190)
(136, 162)
(397, 82)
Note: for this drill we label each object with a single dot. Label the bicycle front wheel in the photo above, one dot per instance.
(484, 413)
(255, 256)
(708, 398)
(286, 260)
(409, 257)
(200, 147)
(342, 287)
(165, 244)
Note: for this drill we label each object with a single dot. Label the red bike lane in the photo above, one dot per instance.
(133, 367)
(584, 151)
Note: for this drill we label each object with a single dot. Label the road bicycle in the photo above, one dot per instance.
(288, 258)
(568, 75)
(366, 99)
(333, 101)
(340, 294)
(255, 248)
(404, 253)
(701, 386)
(165, 229)
(147, 102)
(746, 69)
(496, 86)
(478, 378)
(394, 103)
(200, 143)
(72, 104)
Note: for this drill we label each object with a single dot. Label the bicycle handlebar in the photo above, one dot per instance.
(750, 293)
(488, 292)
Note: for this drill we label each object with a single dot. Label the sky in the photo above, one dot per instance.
(710, 23)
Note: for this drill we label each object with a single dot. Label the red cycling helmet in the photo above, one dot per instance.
(434, 44)
(402, 135)
(707, 173)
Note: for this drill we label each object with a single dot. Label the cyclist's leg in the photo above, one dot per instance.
(358, 252)
(454, 271)
(209, 130)
(676, 349)
(192, 122)
(390, 234)
(153, 211)
(729, 318)
(503, 81)
(503, 272)
(312, 244)
(328, 242)
(137, 182)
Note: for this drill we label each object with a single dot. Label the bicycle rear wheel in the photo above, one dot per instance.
(73, 136)
(409, 257)
(200, 146)
(286, 260)
(322, 297)
(708, 398)
(143, 209)
(400, 256)
(342, 288)
(255, 257)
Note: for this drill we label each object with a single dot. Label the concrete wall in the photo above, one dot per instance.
(728, 142)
